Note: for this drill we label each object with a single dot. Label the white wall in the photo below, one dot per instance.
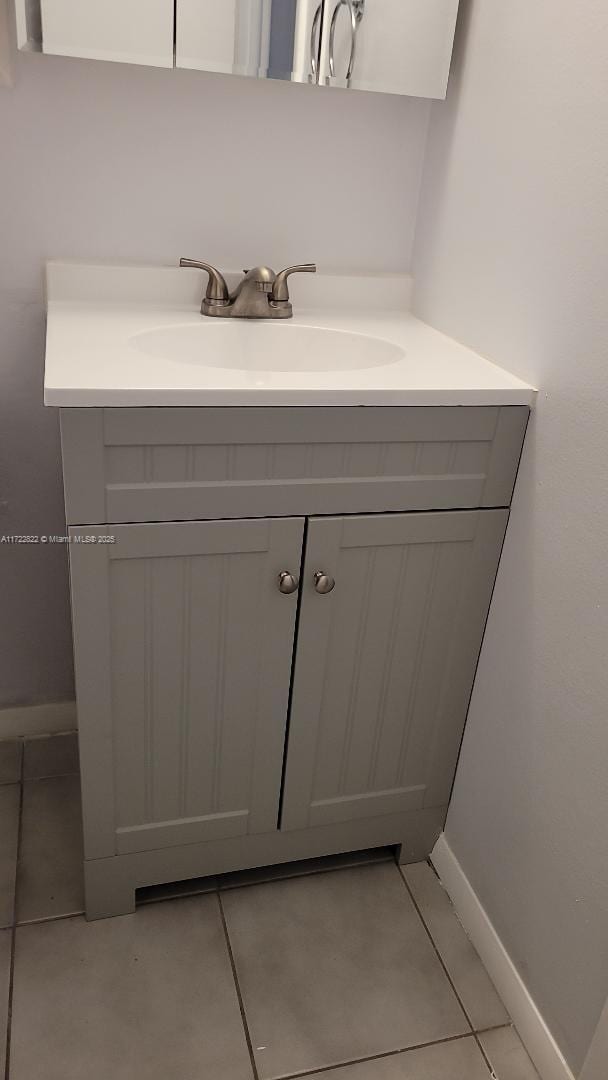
(104, 160)
(512, 258)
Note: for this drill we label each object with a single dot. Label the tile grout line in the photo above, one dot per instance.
(447, 974)
(378, 1057)
(49, 776)
(479, 1031)
(494, 1027)
(11, 977)
(237, 986)
(30, 779)
(438, 954)
(483, 1053)
(49, 919)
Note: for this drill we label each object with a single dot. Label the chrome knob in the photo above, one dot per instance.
(323, 582)
(288, 583)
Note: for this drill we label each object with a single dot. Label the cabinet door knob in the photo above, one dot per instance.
(323, 582)
(288, 583)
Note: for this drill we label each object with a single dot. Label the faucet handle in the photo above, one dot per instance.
(217, 289)
(280, 291)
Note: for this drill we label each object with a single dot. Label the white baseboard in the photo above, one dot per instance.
(594, 1067)
(531, 1027)
(38, 719)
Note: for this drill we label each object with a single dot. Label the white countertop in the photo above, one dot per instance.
(94, 312)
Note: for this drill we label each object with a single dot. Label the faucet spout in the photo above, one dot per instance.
(250, 298)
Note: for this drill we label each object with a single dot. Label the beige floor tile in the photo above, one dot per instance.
(50, 877)
(148, 996)
(459, 1059)
(335, 967)
(476, 990)
(507, 1055)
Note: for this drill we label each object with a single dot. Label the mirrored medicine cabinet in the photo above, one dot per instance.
(391, 46)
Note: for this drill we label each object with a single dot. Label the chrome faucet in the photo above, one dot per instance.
(261, 294)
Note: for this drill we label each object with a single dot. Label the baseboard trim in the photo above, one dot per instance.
(38, 719)
(531, 1027)
(594, 1067)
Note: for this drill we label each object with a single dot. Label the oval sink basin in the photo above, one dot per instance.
(266, 346)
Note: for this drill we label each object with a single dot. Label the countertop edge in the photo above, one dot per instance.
(59, 398)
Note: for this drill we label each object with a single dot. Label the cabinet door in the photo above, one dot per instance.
(130, 31)
(183, 646)
(394, 46)
(385, 662)
(205, 35)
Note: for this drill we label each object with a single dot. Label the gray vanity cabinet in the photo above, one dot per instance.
(183, 647)
(227, 724)
(385, 661)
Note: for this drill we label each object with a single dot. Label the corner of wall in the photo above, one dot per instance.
(527, 1018)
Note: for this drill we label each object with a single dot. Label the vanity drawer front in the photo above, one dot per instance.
(172, 464)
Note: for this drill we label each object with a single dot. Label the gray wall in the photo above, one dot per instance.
(105, 160)
(512, 258)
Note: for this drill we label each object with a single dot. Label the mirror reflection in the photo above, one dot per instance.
(394, 46)
(275, 39)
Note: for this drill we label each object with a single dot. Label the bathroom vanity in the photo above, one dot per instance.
(280, 578)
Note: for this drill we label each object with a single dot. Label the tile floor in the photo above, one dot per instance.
(358, 972)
